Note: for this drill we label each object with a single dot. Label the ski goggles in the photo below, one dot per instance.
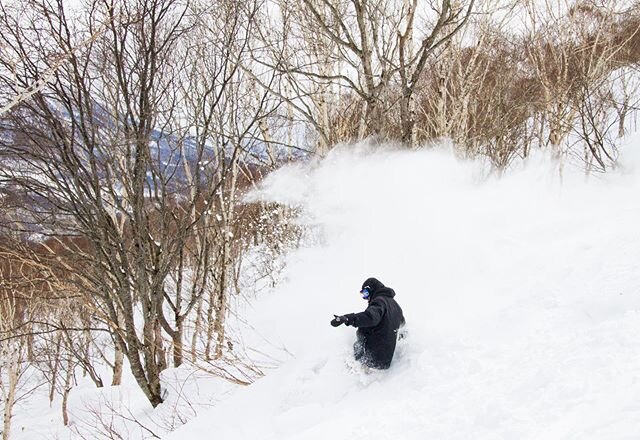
(365, 292)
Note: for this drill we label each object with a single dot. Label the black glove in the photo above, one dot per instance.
(339, 320)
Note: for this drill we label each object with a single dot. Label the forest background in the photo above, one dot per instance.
(131, 133)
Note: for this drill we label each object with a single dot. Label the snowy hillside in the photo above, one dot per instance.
(522, 296)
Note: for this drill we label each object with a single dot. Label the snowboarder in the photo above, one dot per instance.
(377, 326)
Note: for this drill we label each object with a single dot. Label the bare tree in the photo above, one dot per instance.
(21, 284)
(129, 160)
(370, 49)
(13, 359)
(89, 161)
(451, 18)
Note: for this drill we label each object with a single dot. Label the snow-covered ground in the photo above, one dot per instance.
(522, 296)
(521, 293)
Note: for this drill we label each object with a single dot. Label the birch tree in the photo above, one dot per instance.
(97, 160)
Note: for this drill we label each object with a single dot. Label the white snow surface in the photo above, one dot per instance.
(521, 295)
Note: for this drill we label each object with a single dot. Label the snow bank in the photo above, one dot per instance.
(520, 293)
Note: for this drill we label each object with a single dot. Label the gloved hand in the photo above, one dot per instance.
(339, 320)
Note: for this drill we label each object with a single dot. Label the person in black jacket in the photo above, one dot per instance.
(377, 326)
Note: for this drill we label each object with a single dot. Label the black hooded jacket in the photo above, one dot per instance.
(377, 326)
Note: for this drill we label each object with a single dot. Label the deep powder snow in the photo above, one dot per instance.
(521, 293)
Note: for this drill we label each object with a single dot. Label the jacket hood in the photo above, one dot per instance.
(376, 288)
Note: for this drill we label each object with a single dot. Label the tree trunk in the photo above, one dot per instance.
(177, 341)
(408, 118)
(210, 324)
(161, 355)
(221, 311)
(54, 369)
(374, 117)
(441, 118)
(147, 379)
(152, 362)
(117, 365)
(13, 374)
(197, 329)
(323, 110)
(362, 122)
(67, 390)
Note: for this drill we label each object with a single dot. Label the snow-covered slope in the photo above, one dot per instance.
(522, 296)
